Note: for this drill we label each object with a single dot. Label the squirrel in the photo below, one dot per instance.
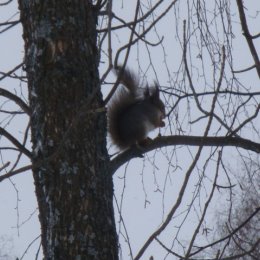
(133, 111)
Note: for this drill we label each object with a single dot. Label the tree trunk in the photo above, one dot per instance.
(68, 126)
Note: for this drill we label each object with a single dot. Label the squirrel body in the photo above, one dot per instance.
(133, 112)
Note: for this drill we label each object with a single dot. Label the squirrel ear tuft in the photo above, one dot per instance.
(156, 90)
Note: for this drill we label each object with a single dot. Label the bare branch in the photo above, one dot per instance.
(11, 96)
(248, 36)
(162, 15)
(6, 3)
(205, 209)
(229, 235)
(16, 99)
(7, 74)
(249, 119)
(132, 22)
(244, 70)
(15, 172)
(167, 249)
(164, 141)
(234, 257)
(156, 233)
(255, 36)
(10, 25)
(15, 142)
(128, 47)
(186, 179)
(26, 250)
(4, 166)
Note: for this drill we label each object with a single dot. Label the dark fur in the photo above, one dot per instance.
(131, 116)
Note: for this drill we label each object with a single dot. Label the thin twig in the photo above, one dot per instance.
(248, 36)
(15, 142)
(229, 235)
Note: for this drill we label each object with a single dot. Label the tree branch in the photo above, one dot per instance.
(248, 36)
(15, 142)
(15, 172)
(11, 96)
(164, 141)
(16, 99)
(229, 235)
(244, 70)
(208, 202)
(8, 74)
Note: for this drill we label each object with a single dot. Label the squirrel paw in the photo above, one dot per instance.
(144, 142)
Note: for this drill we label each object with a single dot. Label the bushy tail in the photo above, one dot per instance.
(128, 79)
(124, 98)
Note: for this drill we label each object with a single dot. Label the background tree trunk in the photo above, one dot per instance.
(68, 125)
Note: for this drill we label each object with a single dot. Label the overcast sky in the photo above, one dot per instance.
(19, 217)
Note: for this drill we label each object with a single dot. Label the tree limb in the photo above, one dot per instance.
(229, 235)
(164, 141)
(248, 36)
(16, 99)
(15, 172)
(15, 142)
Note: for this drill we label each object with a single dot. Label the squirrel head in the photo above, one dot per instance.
(152, 94)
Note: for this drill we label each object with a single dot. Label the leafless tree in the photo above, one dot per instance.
(241, 211)
(6, 249)
(204, 56)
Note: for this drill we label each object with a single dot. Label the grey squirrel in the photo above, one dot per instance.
(133, 111)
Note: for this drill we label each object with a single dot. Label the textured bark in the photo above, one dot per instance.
(73, 187)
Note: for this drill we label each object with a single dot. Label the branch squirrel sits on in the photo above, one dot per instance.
(133, 111)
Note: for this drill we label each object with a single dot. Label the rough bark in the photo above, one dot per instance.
(68, 126)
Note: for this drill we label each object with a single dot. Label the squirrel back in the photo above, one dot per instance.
(133, 112)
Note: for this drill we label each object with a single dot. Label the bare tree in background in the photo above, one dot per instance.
(240, 212)
(6, 248)
(212, 100)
